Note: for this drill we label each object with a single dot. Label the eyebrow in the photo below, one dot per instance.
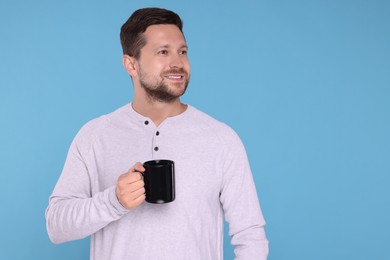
(167, 46)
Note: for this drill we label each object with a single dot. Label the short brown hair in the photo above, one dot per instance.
(131, 35)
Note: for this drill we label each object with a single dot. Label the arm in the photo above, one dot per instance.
(241, 206)
(75, 218)
(73, 213)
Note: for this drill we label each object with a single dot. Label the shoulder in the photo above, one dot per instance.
(95, 128)
(209, 124)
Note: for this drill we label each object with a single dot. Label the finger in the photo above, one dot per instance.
(135, 186)
(138, 167)
(133, 201)
(134, 177)
(131, 177)
(137, 193)
(132, 198)
(126, 189)
(139, 199)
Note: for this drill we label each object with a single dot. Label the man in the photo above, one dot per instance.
(101, 190)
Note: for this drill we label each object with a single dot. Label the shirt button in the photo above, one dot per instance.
(146, 122)
(156, 148)
(157, 133)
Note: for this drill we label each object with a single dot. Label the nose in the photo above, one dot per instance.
(176, 61)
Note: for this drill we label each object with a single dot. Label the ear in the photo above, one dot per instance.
(130, 65)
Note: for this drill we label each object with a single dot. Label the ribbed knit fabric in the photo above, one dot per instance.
(213, 180)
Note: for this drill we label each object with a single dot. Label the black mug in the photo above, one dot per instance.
(159, 178)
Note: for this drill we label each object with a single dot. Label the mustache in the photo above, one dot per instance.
(175, 71)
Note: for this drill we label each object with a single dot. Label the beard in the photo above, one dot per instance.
(160, 91)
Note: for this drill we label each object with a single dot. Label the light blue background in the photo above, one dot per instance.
(306, 84)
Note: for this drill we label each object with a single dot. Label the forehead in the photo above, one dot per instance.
(164, 34)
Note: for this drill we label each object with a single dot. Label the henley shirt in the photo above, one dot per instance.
(213, 181)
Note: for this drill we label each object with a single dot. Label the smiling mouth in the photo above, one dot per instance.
(174, 77)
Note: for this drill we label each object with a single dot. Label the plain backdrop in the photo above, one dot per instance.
(306, 85)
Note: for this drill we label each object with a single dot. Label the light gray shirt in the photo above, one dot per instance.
(213, 181)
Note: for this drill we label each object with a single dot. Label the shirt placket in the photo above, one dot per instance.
(155, 140)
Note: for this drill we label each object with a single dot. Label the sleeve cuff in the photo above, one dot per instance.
(117, 206)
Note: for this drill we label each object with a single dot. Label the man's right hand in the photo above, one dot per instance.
(130, 189)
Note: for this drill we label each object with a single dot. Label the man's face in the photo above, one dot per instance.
(163, 67)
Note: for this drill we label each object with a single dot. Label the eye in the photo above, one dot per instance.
(183, 52)
(163, 52)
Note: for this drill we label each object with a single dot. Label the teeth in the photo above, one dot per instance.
(174, 77)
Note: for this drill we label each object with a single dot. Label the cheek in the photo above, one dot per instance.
(151, 70)
(156, 67)
(186, 64)
(151, 64)
(187, 60)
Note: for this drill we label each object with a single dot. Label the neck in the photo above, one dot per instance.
(158, 111)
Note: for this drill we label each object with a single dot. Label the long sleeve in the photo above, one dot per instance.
(73, 213)
(241, 206)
